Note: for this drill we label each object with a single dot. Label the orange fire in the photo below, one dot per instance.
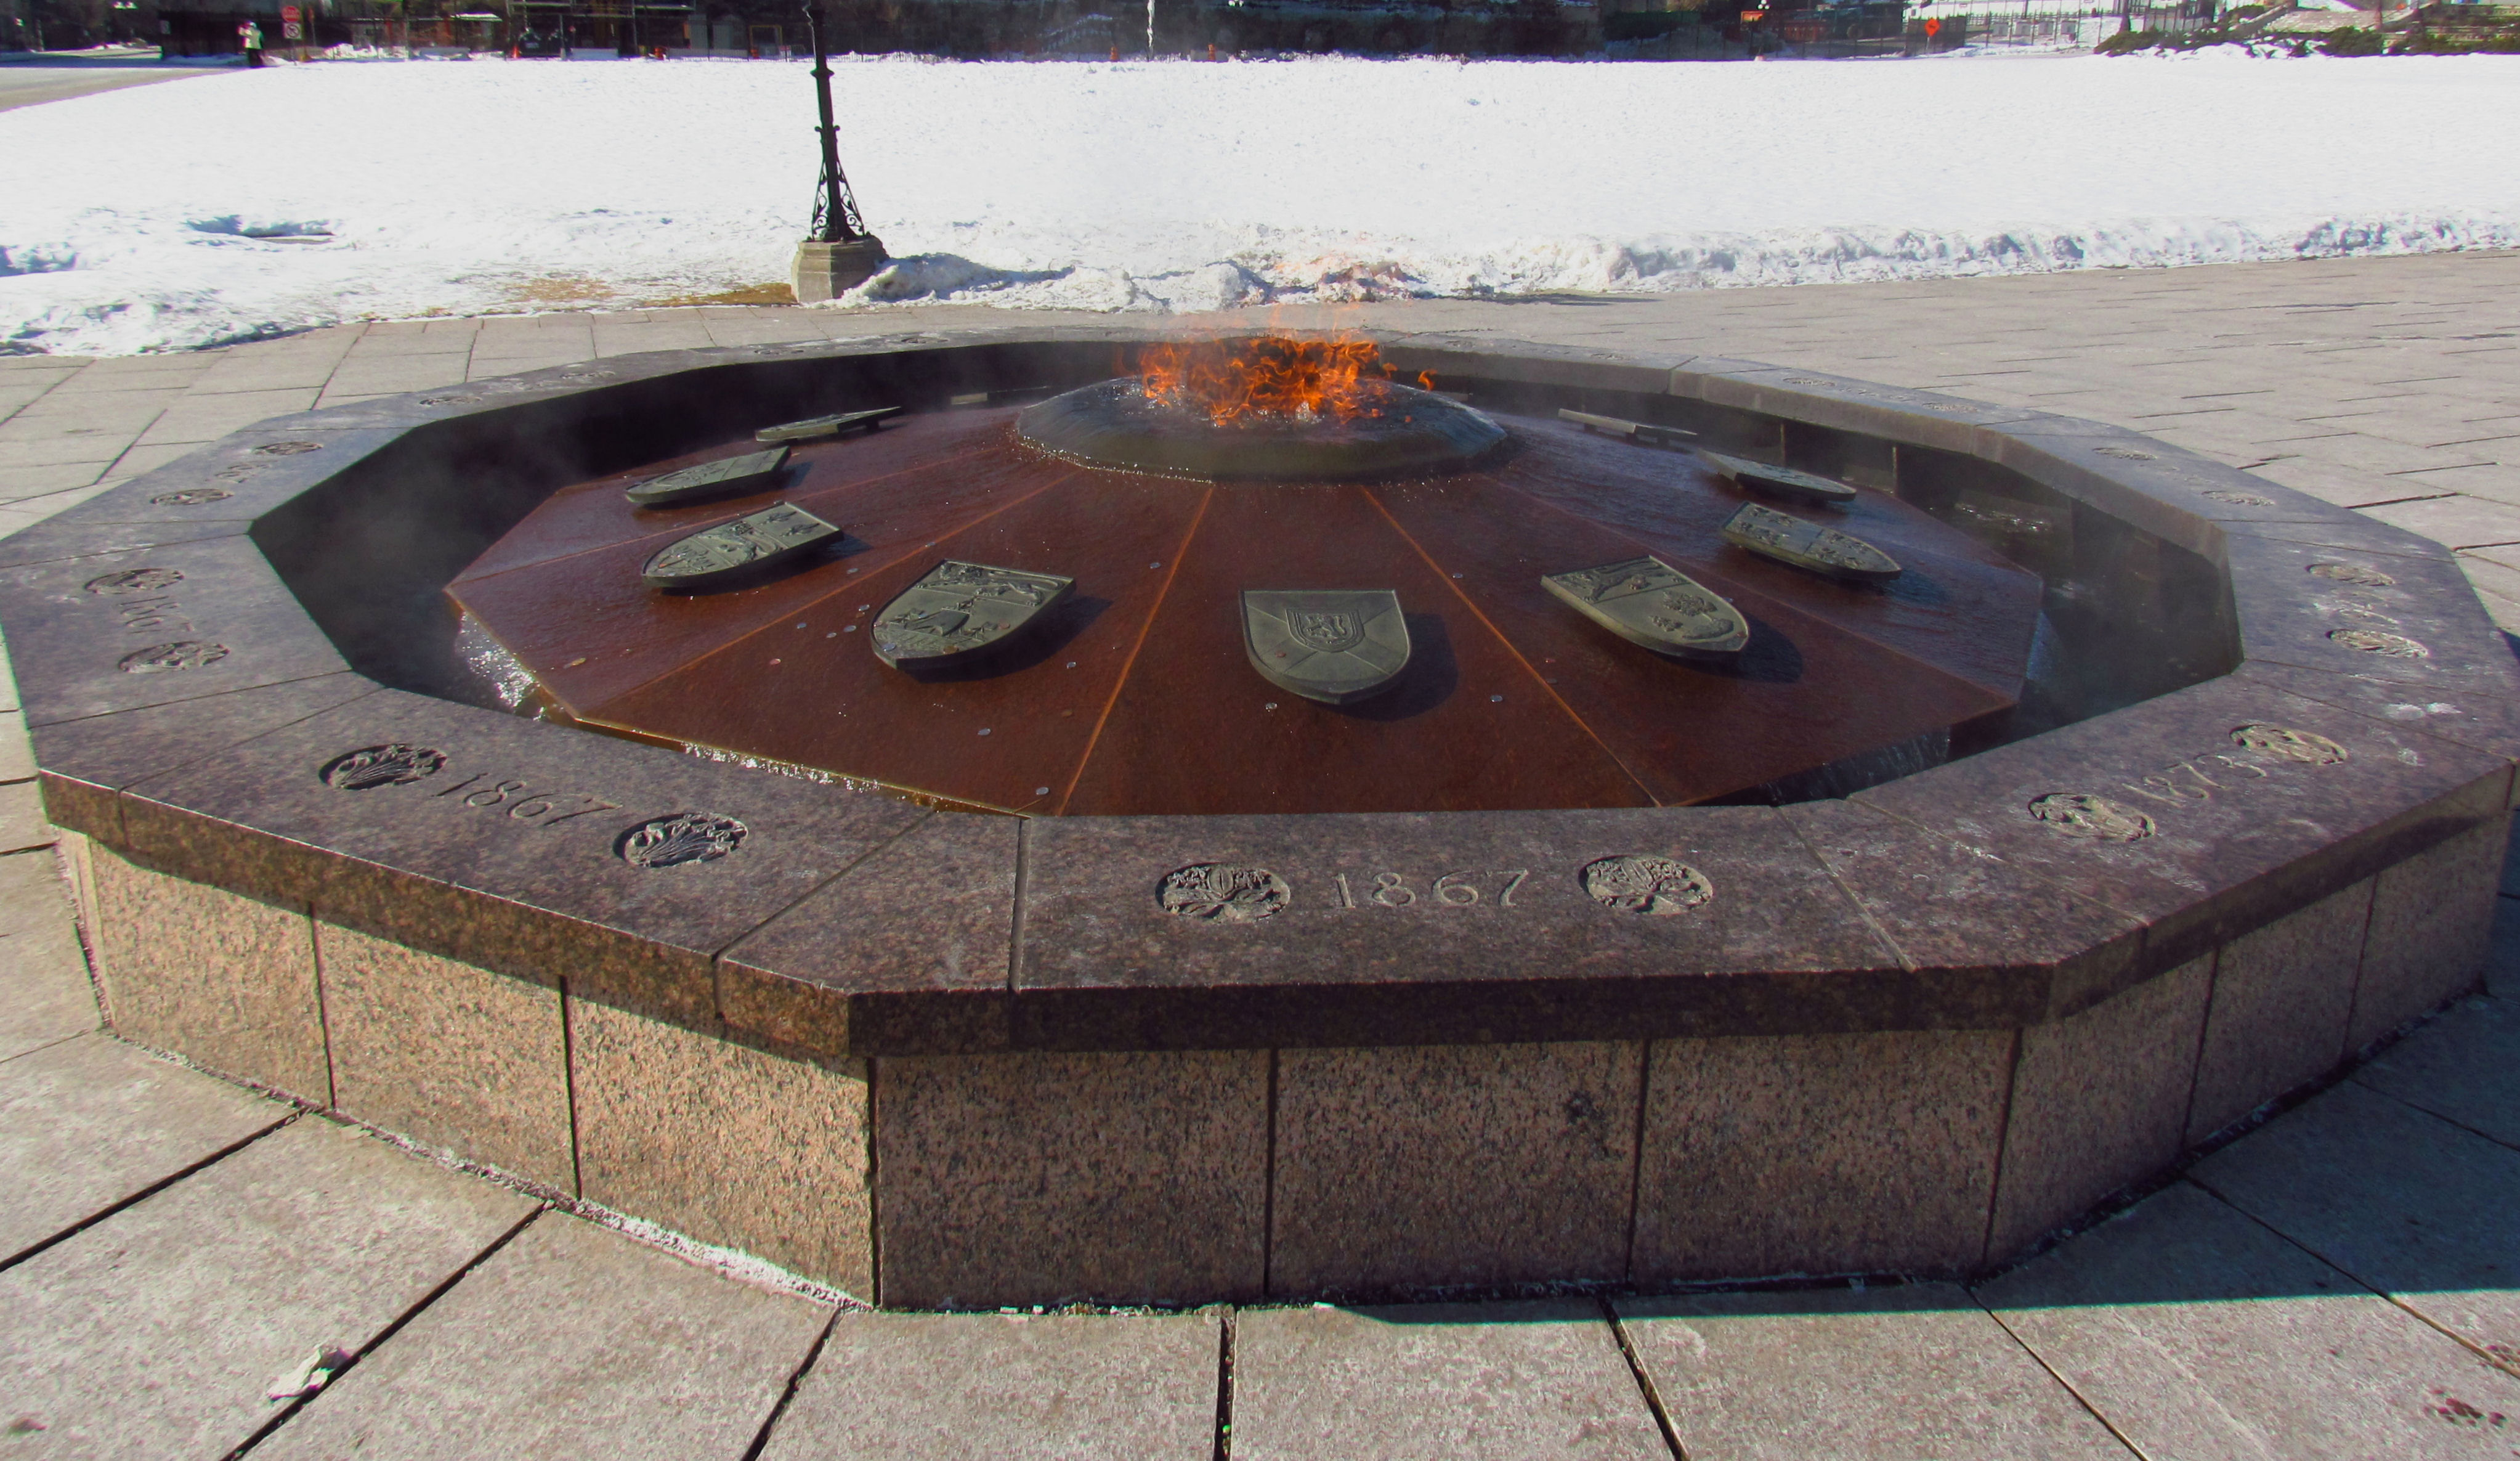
(1241, 381)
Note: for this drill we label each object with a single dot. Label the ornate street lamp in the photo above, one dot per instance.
(839, 253)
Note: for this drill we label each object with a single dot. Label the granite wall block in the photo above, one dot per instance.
(1417, 1166)
(2100, 1101)
(1819, 1154)
(220, 978)
(452, 1056)
(1039, 1178)
(728, 1144)
(2276, 1018)
(2432, 923)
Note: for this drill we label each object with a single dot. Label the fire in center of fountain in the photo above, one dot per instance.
(1273, 409)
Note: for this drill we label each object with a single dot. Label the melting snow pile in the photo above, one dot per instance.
(252, 202)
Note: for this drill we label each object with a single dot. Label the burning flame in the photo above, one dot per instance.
(1276, 376)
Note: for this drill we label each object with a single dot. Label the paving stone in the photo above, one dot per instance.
(18, 483)
(2404, 1202)
(140, 459)
(207, 418)
(2491, 480)
(2502, 950)
(2373, 454)
(58, 450)
(570, 1341)
(2198, 1331)
(72, 407)
(1009, 1386)
(16, 756)
(157, 1331)
(44, 991)
(87, 1122)
(2458, 522)
(2492, 578)
(22, 819)
(1488, 1381)
(1917, 1371)
(2343, 486)
(2464, 1065)
(47, 504)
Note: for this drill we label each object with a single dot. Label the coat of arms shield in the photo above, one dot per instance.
(1808, 545)
(753, 471)
(838, 424)
(737, 551)
(958, 607)
(1648, 602)
(1783, 482)
(1335, 646)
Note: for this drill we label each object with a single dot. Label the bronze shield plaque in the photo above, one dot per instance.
(1643, 432)
(1334, 646)
(814, 427)
(1808, 545)
(753, 471)
(737, 551)
(959, 607)
(1781, 481)
(1648, 602)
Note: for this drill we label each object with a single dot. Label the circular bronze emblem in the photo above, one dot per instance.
(373, 766)
(2349, 572)
(685, 837)
(183, 654)
(1656, 886)
(1222, 892)
(135, 581)
(192, 497)
(2284, 744)
(286, 448)
(2241, 499)
(2378, 642)
(2080, 814)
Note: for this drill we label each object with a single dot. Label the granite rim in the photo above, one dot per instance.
(2293, 698)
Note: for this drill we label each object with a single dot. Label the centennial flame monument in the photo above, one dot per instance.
(1140, 822)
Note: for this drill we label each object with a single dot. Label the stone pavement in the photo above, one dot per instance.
(2342, 1281)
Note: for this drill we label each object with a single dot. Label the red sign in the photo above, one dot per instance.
(1933, 27)
(289, 15)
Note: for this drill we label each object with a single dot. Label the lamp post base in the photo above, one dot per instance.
(826, 271)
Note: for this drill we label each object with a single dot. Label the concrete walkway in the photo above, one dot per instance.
(2342, 1282)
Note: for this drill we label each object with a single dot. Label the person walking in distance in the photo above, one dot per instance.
(252, 36)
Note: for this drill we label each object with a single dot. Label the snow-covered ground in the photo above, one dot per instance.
(250, 201)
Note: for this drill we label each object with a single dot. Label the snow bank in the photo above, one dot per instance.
(256, 202)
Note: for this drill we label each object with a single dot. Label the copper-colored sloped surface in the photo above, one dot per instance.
(1136, 697)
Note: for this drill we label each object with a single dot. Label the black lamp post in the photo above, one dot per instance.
(839, 253)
